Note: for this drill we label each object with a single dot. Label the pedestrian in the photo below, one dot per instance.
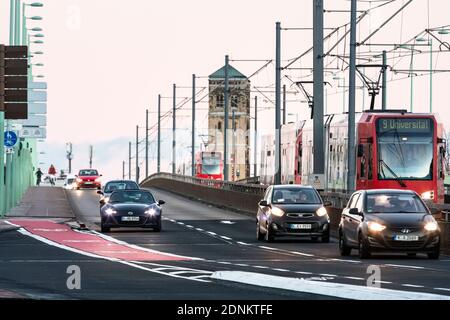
(39, 175)
(52, 174)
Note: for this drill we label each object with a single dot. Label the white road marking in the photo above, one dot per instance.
(224, 262)
(332, 289)
(301, 254)
(304, 272)
(442, 289)
(354, 278)
(227, 222)
(189, 226)
(243, 243)
(404, 266)
(412, 285)
(261, 267)
(199, 229)
(212, 233)
(327, 275)
(268, 248)
(281, 270)
(242, 265)
(226, 238)
(383, 282)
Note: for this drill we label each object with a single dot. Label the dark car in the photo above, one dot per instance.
(131, 208)
(292, 210)
(88, 178)
(388, 220)
(115, 185)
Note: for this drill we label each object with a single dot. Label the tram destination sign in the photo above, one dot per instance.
(405, 125)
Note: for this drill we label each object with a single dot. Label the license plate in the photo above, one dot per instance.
(130, 218)
(88, 183)
(406, 238)
(301, 226)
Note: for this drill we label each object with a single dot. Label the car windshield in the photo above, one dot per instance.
(211, 165)
(394, 203)
(295, 196)
(132, 197)
(120, 185)
(88, 173)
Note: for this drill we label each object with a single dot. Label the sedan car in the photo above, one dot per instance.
(293, 211)
(131, 208)
(88, 178)
(115, 185)
(388, 221)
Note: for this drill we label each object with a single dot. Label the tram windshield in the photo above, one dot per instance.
(405, 149)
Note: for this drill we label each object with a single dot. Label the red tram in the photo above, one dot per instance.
(209, 165)
(395, 150)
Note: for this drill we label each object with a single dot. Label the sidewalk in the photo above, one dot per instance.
(43, 202)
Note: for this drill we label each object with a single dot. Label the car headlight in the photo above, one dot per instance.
(431, 226)
(375, 226)
(428, 195)
(277, 212)
(106, 199)
(79, 180)
(98, 180)
(321, 212)
(110, 211)
(150, 212)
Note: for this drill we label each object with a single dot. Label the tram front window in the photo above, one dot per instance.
(405, 149)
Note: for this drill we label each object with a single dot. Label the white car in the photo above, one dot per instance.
(70, 182)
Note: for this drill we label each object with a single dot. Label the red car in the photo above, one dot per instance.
(88, 178)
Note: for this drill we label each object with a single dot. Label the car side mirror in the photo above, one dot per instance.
(161, 202)
(263, 203)
(101, 175)
(100, 192)
(76, 176)
(327, 204)
(355, 211)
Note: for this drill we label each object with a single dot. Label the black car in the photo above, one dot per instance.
(115, 185)
(292, 210)
(131, 208)
(388, 220)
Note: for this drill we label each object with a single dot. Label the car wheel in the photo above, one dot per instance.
(269, 235)
(343, 248)
(259, 235)
(326, 237)
(364, 250)
(435, 254)
(105, 229)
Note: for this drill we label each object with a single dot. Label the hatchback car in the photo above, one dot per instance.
(292, 211)
(88, 178)
(131, 208)
(115, 185)
(388, 221)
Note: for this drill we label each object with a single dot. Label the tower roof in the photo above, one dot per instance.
(232, 73)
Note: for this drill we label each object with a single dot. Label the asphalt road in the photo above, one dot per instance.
(221, 240)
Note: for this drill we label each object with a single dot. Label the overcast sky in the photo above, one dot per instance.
(106, 61)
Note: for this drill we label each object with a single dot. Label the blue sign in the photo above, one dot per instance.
(10, 139)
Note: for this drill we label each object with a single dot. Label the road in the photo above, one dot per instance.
(211, 242)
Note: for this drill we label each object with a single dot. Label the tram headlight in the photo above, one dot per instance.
(428, 195)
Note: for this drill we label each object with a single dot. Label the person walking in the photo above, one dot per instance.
(39, 175)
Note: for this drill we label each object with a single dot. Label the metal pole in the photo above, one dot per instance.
(384, 85)
(277, 177)
(351, 105)
(174, 127)
(431, 75)
(91, 154)
(159, 135)
(193, 126)
(284, 104)
(12, 19)
(225, 136)
(318, 131)
(146, 143)
(17, 24)
(411, 75)
(233, 142)
(137, 154)
(255, 165)
(129, 160)
(123, 170)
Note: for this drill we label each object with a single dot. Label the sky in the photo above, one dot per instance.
(106, 62)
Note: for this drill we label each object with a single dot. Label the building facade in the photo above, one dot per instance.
(238, 122)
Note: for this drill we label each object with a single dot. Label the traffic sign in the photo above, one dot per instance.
(10, 139)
